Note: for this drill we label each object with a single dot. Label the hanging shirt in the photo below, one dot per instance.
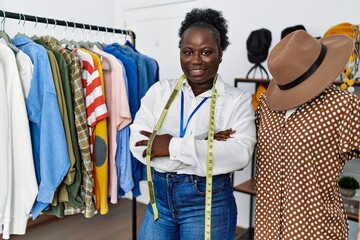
(131, 71)
(61, 192)
(26, 71)
(152, 61)
(119, 115)
(96, 111)
(132, 76)
(188, 154)
(18, 181)
(5, 151)
(95, 100)
(123, 156)
(73, 179)
(148, 71)
(299, 161)
(60, 73)
(80, 138)
(101, 147)
(51, 160)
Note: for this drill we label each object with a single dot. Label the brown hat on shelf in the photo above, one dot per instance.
(303, 66)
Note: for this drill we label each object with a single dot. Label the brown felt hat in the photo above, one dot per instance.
(303, 66)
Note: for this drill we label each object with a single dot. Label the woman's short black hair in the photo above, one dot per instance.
(210, 19)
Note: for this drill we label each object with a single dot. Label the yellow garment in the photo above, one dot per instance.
(349, 70)
(256, 96)
(100, 159)
(347, 29)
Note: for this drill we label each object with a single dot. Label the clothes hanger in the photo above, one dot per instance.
(73, 43)
(64, 42)
(19, 33)
(89, 46)
(5, 36)
(34, 36)
(53, 29)
(106, 60)
(85, 44)
(103, 44)
(112, 36)
(96, 41)
(46, 27)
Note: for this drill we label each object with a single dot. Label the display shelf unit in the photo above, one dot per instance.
(248, 187)
(352, 207)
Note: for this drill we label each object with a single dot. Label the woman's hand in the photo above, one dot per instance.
(224, 135)
(160, 146)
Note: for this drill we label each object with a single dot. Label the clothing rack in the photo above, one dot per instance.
(58, 22)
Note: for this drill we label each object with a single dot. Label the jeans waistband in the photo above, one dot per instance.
(175, 175)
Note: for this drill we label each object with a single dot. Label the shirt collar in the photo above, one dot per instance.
(220, 87)
(50, 39)
(21, 40)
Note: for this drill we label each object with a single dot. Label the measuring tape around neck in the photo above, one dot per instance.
(209, 164)
(209, 160)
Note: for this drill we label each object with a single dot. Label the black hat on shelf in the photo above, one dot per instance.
(291, 29)
(258, 44)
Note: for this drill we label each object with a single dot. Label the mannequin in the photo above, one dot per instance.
(307, 130)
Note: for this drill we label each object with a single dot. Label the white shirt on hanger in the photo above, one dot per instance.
(19, 169)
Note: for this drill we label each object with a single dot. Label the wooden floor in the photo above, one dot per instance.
(117, 224)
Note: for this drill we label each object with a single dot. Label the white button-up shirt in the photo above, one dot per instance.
(188, 154)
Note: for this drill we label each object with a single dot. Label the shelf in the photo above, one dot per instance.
(265, 81)
(352, 212)
(353, 216)
(247, 234)
(246, 187)
(352, 208)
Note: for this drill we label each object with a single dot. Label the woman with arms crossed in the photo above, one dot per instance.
(180, 147)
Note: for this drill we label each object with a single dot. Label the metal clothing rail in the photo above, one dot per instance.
(58, 22)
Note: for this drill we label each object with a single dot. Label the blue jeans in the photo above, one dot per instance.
(180, 200)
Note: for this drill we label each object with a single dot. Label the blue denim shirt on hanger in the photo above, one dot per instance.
(50, 151)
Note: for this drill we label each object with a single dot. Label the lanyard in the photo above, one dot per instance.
(182, 128)
(209, 159)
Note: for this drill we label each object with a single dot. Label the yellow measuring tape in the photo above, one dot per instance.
(209, 160)
(209, 164)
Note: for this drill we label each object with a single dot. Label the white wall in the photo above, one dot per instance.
(156, 23)
(243, 17)
(80, 11)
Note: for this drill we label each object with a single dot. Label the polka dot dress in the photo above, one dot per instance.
(299, 160)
